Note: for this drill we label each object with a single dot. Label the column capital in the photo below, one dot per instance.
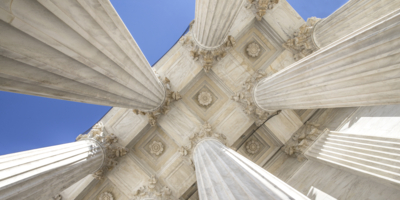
(153, 190)
(305, 137)
(170, 96)
(205, 133)
(207, 56)
(245, 97)
(302, 43)
(109, 146)
(260, 7)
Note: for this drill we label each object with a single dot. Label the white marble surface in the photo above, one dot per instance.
(340, 184)
(359, 70)
(351, 17)
(213, 21)
(284, 125)
(30, 174)
(74, 50)
(224, 174)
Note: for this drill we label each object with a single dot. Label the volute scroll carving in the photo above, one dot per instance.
(108, 143)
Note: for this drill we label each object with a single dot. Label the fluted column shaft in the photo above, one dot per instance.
(224, 174)
(352, 16)
(361, 69)
(213, 21)
(44, 173)
(74, 50)
(376, 157)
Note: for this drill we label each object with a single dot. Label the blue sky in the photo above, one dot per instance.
(30, 122)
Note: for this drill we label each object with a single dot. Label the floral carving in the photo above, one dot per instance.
(156, 148)
(253, 49)
(252, 147)
(106, 196)
(245, 98)
(152, 191)
(302, 44)
(207, 57)
(304, 137)
(170, 96)
(205, 98)
(205, 132)
(260, 7)
(108, 143)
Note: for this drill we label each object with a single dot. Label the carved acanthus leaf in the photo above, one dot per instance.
(260, 7)
(170, 96)
(152, 191)
(205, 132)
(297, 145)
(108, 142)
(206, 56)
(245, 98)
(302, 44)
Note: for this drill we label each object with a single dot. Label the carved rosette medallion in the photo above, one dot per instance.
(205, 98)
(108, 142)
(156, 148)
(170, 97)
(252, 147)
(253, 49)
(106, 196)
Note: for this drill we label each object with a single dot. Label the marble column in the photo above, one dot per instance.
(44, 173)
(224, 174)
(371, 156)
(361, 69)
(352, 16)
(213, 21)
(75, 50)
(209, 39)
